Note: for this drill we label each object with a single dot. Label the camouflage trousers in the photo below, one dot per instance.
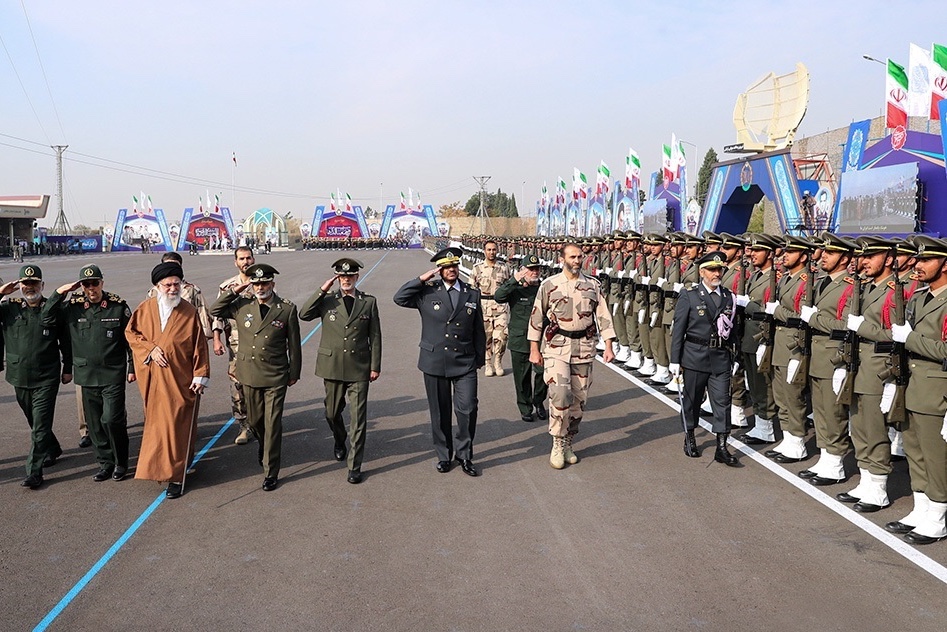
(568, 391)
(238, 402)
(497, 330)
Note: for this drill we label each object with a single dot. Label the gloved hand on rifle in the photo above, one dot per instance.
(645, 280)
(943, 430)
(771, 307)
(661, 281)
(742, 300)
(854, 322)
(806, 313)
(900, 333)
(678, 287)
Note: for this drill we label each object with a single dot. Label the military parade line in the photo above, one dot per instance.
(773, 331)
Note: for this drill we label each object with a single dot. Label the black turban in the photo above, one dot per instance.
(165, 270)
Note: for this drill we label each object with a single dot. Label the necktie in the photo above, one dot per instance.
(264, 308)
(928, 298)
(349, 302)
(715, 297)
(450, 295)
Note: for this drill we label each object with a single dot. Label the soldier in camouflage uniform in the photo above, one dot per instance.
(568, 315)
(487, 276)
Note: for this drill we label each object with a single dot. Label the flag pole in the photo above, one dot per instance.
(233, 187)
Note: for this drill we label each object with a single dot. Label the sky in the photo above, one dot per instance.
(372, 98)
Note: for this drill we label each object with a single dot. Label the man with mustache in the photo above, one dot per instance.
(33, 366)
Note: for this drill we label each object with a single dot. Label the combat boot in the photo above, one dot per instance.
(557, 458)
(498, 365)
(690, 445)
(243, 437)
(567, 453)
(722, 455)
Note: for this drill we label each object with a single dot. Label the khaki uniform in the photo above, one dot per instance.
(228, 327)
(615, 299)
(760, 385)
(496, 316)
(655, 312)
(579, 311)
(738, 394)
(790, 398)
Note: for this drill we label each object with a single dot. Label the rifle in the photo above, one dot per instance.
(767, 335)
(740, 316)
(897, 363)
(645, 287)
(805, 346)
(849, 350)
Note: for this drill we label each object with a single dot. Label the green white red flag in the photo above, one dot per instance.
(579, 184)
(896, 96)
(632, 168)
(601, 179)
(938, 78)
(666, 164)
(348, 203)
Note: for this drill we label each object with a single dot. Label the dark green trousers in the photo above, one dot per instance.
(531, 388)
(265, 416)
(358, 402)
(104, 408)
(39, 406)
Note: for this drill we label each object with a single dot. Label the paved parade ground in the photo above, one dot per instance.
(635, 537)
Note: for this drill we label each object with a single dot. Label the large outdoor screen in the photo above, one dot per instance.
(880, 200)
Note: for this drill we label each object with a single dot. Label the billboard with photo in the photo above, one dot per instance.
(879, 200)
(655, 213)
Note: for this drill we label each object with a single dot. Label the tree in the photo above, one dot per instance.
(756, 218)
(454, 209)
(497, 204)
(703, 175)
(81, 229)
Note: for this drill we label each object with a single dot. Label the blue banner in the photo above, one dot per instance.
(855, 145)
(942, 111)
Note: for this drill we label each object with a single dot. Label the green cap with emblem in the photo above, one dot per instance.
(930, 247)
(90, 272)
(261, 273)
(30, 273)
(347, 266)
(531, 261)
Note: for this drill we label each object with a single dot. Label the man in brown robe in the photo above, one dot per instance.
(170, 351)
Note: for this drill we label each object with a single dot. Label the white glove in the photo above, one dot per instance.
(608, 271)
(760, 351)
(771, 307)
(661, 282)
(675, 370)
(678, 287)
(900, 333)
(645, 280)
(806, 313)
(621, 274)
(791, 370)
(641, 317)
(887, 397)
(742, 300)
(854, 322)
(654, 319)
(838, 378)
(943, 430)
(627, 305)
(614, 309)
(632, 274)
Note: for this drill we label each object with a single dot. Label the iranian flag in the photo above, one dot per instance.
(403, 206)
(938, 78)
(601, 179)
(667, 165)
(579, 184)
(420, 207)
(896, 96)
(560, 191)
(544, 199)
(216, 203)
(348, 202)
(332, 202)
(632, 168)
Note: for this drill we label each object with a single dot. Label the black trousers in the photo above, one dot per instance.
(696, 383)
(104, 408)
(459, 394)
(531, 388)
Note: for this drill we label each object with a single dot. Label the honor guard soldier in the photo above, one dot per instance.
(733, 247)
(102, 363)
(832, 290)
(519, 292)
(453, 347)
(925, 434)
(701, 346)
(349, 356)
(486, 277)
(628, 299)
(656, 273)
(614, 269)
(38, 358)
(868, 422)
(268, 361)
(569, 314)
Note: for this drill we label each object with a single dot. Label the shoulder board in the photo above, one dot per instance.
(804, 277)
(849, 280)
(430, 283)
(16, 300)
(115, 298)
(77, 298)
(914, 276)
(891, 284)
(286, 301)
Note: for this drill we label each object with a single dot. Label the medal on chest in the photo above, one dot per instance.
(248, 320)
(437, 305)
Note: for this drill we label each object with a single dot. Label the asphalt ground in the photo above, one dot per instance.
(635, 537)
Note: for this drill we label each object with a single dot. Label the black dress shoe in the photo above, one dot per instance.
(269, 484)
(541, 413)
(102, 475)
(340, 452)
(863, 507)
(528, 417)
(845, 497)
(33, 481)
(807, 474)
(782, 458)
(751, 440)
(85, 442)
(898, 527)
(771, 454)
(119, 473)
(174, 490)
(355, 477)
(821, 481)
(468, 467)
(917, 538)
(51, 459)
(443, 467)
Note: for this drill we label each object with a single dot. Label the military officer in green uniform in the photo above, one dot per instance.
(519, 291)
(33, 366)
(269, 359)
(349, 356)
(102, 363)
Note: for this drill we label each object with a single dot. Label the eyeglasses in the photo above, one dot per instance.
(91, 283)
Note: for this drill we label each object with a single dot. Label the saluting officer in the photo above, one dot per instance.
(486, 277)
(519, 292)
(33, 366)
(102, 363)
(453, 347)
(701, 346)
(268, 361)
(349, 356)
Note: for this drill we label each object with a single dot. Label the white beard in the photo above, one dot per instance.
(168, 302)
(264, 296)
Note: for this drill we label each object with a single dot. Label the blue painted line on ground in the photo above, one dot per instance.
(115, 548)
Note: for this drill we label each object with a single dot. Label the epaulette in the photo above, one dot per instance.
(77, 298)
(849, 280)
(891, 284)
(804, 277)
(16, 300)
(430, 283)
(286, 301)
(115, 298)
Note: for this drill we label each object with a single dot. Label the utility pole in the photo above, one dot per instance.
(61, 226)
(482, 213)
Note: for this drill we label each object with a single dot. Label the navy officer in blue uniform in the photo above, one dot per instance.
(453, 347)
(701, 344)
